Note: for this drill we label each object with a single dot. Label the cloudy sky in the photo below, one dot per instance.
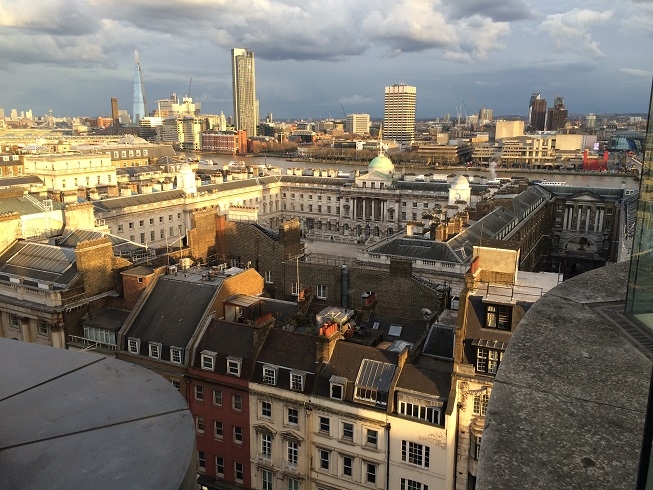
(315, 59)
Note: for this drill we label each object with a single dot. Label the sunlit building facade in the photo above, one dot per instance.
(399, 113)
(244, 90)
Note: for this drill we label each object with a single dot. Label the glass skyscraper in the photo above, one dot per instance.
(244, 91)
(140, 105)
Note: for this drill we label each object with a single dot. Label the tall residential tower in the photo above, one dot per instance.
(244, 88)
(399, 113)
(140, 103)
(537, 112)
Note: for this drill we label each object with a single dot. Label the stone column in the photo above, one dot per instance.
(564, 220)
(580, 212)
(587, 218)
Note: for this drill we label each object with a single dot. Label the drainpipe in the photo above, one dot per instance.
(344, 285)
(387, 456)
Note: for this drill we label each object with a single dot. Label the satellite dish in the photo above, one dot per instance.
(426, 312)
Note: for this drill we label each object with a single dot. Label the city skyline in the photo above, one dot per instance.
(316, 64)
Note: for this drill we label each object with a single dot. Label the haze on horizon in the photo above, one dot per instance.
(320, 59)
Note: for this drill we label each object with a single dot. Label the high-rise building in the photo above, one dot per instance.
(140, 103)
(557, 115)
(538, 115)
(399, 113)
(534, 97)
(357, 123)
(244, 91)
(114, 111)
(537, 112)
(485, 115)
(590, 121)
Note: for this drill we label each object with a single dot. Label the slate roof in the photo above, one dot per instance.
(442, 187)
(345, 362)
(280, 343)
(524, 200)
(20, 181)
(429, 376)
(229, 339)
(567, 191)
(302, 179)
(107, 318)
(121, 246)
(37, 261)
(143, 169)
(172, 312)
(137, 200)
(417, 248)
(290, 351)
(487, 227)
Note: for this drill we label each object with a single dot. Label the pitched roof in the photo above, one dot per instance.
(345, 362)
(172, 312)
(106, 318)
(429, 376)
(229, 339)
(289, 349)
(417, 248)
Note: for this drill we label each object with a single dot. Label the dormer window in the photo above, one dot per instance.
(233, 365)
(270, 375)
(208, 360)
(155, 350)
(134, 345)
(498, 316)
(175, 355)
(297, 381)
(337, 387)
(373, 382)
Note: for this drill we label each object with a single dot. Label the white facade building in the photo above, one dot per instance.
(357, 123)
(399, 113)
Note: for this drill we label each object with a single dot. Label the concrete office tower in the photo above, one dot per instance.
(590, 121)
(114, 111)
(244, 88)
(537, 112)
(357, 123)
(485, 115)
(140, 103)
(557, 115)
(399, 113)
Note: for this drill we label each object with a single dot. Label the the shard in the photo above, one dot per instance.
(140, 103)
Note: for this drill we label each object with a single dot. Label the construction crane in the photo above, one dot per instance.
(459, 113)
(343, 109)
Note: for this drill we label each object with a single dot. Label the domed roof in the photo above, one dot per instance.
(460, 182)
(381, 163)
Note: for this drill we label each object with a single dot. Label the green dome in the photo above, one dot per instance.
(381, 163)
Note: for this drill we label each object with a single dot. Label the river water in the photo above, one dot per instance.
(577, 179)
